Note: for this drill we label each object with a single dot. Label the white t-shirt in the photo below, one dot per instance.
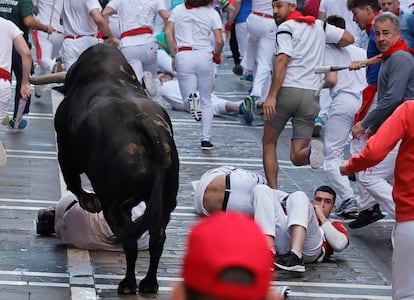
(8, 32)
(86, 230)
(46, 17)
(305, 45)
(76, 17)
(263, 6)
(194, 27)
(339, 8)
(348, 81)
(136, 14)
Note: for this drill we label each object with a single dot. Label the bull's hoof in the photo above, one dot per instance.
(90, 202)
(127, 288)
(148, 286)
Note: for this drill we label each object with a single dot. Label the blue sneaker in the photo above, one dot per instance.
(21, 125)
(249, 110)
(247, 78)
(317, 127)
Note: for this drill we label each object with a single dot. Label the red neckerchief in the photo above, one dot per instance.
(188, 6)
(399, 45)
(369, 24)
(397, 13)
(297, 16)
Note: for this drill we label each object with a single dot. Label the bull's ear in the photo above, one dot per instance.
(59, 88)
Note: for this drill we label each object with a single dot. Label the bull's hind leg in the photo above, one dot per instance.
(128, 285)
(149, 283)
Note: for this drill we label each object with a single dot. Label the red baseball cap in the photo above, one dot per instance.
(222, 241)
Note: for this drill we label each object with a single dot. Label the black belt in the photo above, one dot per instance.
(226, 193)
(71, 205)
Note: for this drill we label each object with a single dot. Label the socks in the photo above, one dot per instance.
(297, 253)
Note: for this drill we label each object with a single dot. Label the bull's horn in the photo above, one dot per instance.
(49, 78)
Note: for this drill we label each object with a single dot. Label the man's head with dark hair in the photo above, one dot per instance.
(363, 3)
(387, 31)
(336, 20)
(325, 198)
(326, 189)
(198, 3)
(364, 11)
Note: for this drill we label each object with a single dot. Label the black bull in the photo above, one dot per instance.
(108, 129)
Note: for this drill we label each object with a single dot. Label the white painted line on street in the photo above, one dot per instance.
(31, 157)
(34, 274)
(34, 283)
(27, 201)
(333, 285)
(337, 296)
(31, 152)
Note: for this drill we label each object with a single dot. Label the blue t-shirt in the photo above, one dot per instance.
(372, 50)
(245, 10)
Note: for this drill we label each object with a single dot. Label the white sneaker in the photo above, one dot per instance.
(195, 109)
(39, 90)
(316, 156)
(3, 156)
(150, 84)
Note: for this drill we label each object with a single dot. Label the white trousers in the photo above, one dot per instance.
(195, 72)
(5, 94)
(324, 102)
(299, 212)
(378, 180)
(260, 53)
(73, 48)
(241, 36)
(403, 261)
(170, 91)
(142, 58)
(338, 126)
(164, 61)
(47, 49)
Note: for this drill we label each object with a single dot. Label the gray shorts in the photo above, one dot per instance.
(299, 104)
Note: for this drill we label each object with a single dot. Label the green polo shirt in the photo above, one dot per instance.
(16, 11)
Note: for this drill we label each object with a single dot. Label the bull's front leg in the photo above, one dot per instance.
(149, 283)
(71, 175)
(128, 285)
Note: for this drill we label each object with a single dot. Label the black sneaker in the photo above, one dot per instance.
(366, 217)
(45, 224)
(290, 262)
(206, 145)
(238, 70)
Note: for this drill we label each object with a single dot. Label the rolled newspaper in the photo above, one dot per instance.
(19, 114)
(327, 69)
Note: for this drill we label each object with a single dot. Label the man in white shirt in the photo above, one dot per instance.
(84, 230)
(81, 21)
(300, 47)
